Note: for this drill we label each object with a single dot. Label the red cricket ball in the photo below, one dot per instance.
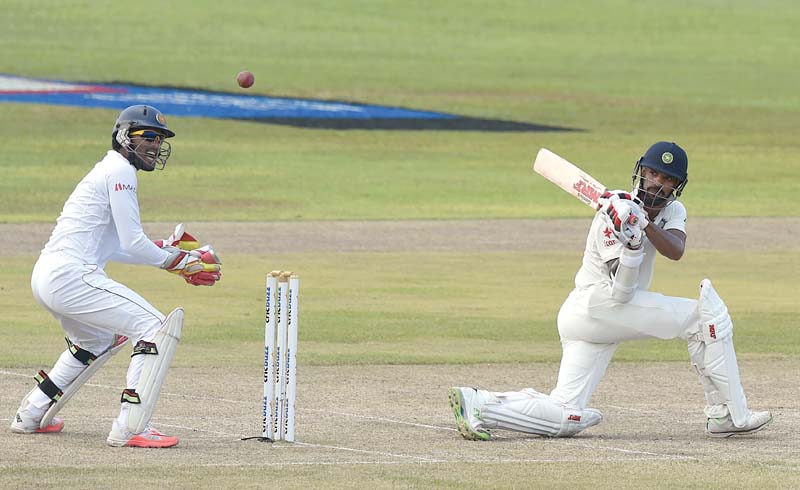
(245, 79)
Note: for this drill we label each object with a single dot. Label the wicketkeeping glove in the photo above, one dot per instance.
(199, 267)
(179, 239)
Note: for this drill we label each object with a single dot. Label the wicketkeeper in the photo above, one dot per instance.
(611, 303)
(100, 223)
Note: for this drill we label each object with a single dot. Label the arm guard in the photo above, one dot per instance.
(626, 277)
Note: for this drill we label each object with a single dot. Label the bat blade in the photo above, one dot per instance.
(569, 177)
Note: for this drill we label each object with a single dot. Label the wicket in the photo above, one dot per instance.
(281, 315)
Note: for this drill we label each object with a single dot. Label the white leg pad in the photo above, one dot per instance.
(154, 370)
(536, 413)
(714, 358)
(82, 378)
(715, 322)
(715, 401)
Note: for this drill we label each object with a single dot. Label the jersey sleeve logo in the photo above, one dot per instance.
(609, 242)
(124, 187)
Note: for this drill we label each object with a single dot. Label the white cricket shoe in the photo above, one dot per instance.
(466, 404)
(25, 423)
(147, 438)
(723, 426)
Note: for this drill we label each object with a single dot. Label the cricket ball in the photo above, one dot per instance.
(245, 79)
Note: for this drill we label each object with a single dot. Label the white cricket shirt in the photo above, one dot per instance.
(100, 220)
(602, 246)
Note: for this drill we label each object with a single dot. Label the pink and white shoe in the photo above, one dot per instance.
(147, 438)
(24, 423)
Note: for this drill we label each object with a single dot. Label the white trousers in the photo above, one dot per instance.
(92, 308)
(591, 327)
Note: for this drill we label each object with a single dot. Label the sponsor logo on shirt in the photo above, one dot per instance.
(124, 187)
(609, 242)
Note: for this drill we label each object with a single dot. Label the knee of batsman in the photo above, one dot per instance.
(713, 320)
(716, 325)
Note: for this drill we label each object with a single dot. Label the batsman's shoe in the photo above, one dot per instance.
(147, 438)
(24, 423)
(466, 404)
(723, 426)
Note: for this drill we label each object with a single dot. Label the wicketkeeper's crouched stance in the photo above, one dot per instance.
(610, 304)
(100, 223)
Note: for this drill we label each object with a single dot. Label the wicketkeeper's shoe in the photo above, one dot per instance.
(147, 438)
(24, 423)
(466, 404)
(723, 426)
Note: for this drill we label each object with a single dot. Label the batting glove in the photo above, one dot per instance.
(608, 197)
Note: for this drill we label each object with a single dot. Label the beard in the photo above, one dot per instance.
(653, 200)
(142, 160)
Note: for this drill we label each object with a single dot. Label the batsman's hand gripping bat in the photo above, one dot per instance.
(572, 179)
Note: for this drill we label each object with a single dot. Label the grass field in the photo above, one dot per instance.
(384, 333)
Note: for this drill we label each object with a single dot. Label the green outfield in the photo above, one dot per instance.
(416, 308)
(716, 77)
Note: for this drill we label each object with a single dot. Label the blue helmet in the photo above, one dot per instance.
(142, 117)
(667, 158)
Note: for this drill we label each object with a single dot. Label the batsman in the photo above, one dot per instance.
(611, 303)
(100, 223)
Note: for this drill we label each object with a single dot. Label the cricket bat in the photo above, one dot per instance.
(569, 177)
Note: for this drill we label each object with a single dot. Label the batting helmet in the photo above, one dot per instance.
(668, 158)
(665, 157)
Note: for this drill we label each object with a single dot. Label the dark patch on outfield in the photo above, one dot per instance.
(455, 124)
(287, 111)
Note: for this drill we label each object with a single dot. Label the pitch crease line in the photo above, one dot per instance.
(366, 451)
(631, 451)
(381, 419)
(299, 443)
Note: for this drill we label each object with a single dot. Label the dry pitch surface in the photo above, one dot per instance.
(391, 426)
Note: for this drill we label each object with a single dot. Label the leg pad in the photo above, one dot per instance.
(82, 378)
(154, 371)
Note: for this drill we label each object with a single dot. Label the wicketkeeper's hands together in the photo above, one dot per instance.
(199, 267)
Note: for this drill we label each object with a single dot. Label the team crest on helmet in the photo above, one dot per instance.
(163, 120)
(667, 157)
